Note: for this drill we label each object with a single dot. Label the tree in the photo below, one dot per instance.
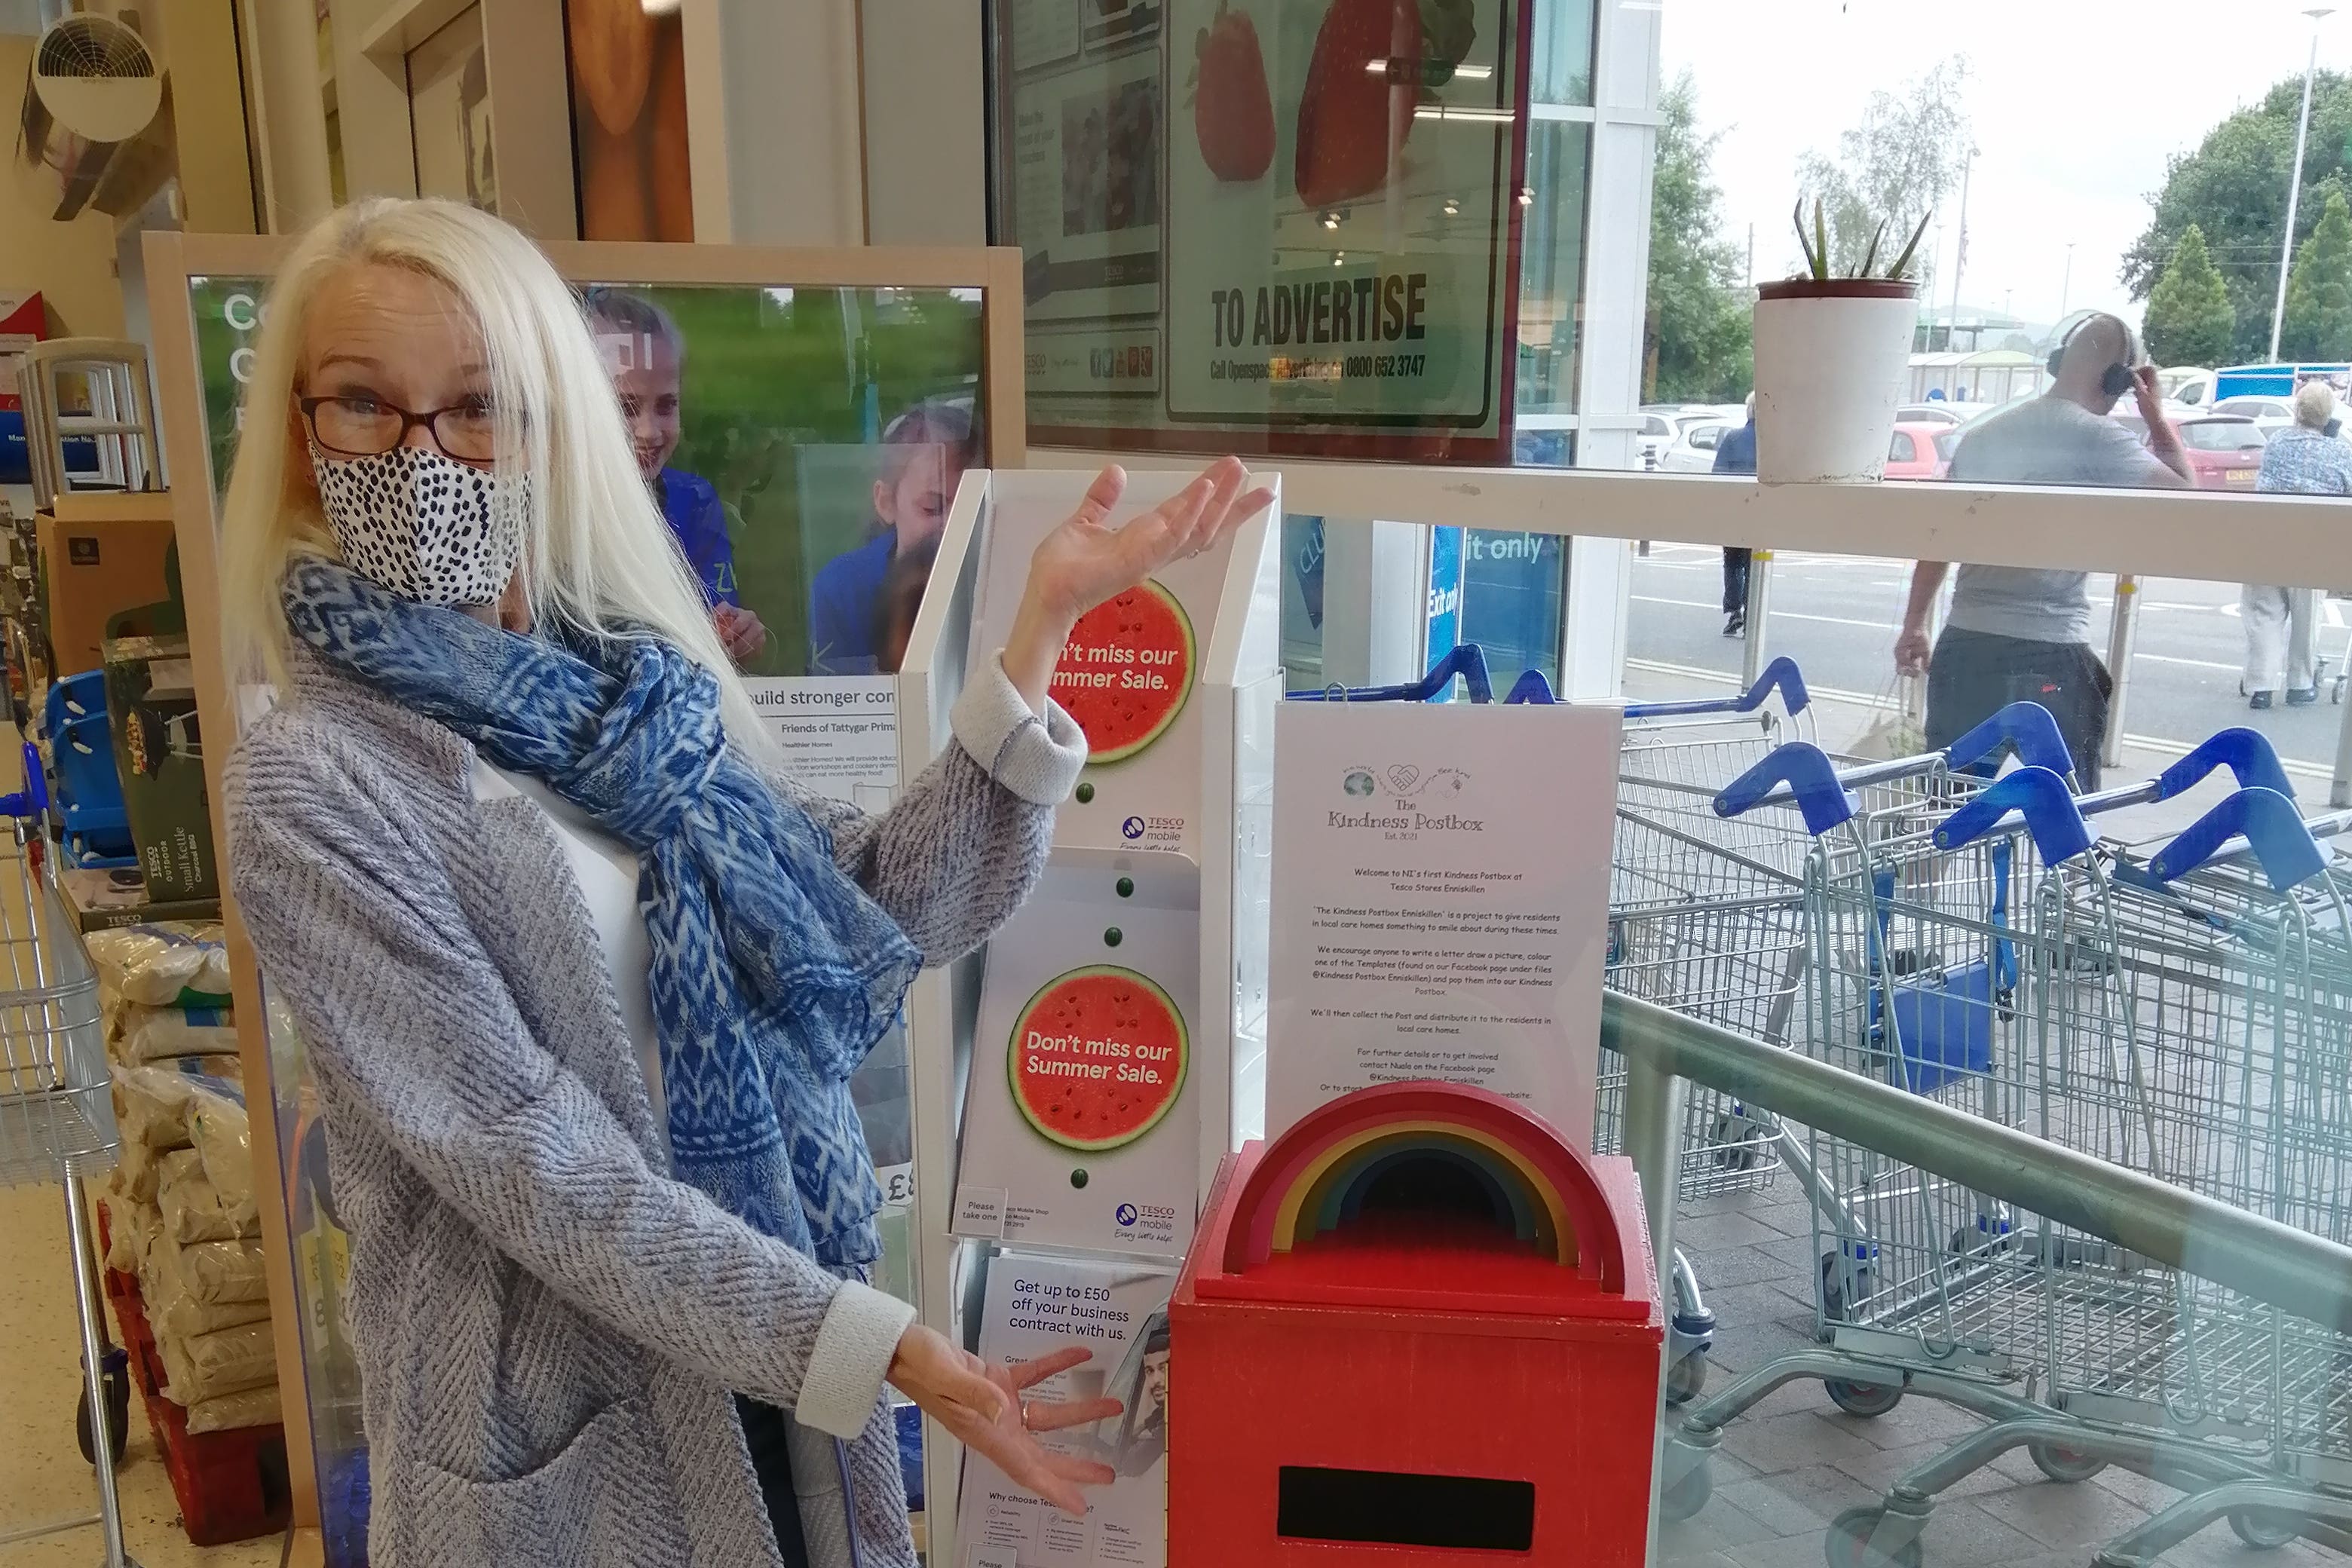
(2233, 187)
(1894, 167)
(1696, 343)
(2318, 323)
(2189, 321)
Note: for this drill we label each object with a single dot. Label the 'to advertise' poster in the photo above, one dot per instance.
(1347, 189)
(1268, 225)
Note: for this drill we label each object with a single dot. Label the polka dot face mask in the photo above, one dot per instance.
(421, 524)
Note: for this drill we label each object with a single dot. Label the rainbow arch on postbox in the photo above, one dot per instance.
(1314, 1178)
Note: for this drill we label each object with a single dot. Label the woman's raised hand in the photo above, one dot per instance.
(1087, 561)
(981, 1407)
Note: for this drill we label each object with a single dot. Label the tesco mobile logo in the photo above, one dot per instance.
(1124, 1214)
(1132, 827)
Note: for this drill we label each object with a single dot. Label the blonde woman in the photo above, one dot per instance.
(582, 978)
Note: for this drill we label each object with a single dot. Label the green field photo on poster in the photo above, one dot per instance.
(790, 403)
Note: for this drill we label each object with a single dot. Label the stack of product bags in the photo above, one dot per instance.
(182, 1217)
(163, 990)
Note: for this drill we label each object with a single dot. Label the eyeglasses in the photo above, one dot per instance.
(369, 427)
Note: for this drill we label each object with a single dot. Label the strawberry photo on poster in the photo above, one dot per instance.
(1232, 108)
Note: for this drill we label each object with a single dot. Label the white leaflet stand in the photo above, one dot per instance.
(1214, 810)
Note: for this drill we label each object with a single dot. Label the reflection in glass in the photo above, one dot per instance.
(1561, 60)
(1302, 602)
(1552, 265)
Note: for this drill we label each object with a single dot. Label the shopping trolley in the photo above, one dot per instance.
(1705, 916)
(2216, 989)
(57, 1113)
(1936, 963)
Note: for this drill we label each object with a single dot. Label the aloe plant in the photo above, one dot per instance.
(1815, 241)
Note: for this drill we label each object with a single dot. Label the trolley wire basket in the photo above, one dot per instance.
(56, 1110)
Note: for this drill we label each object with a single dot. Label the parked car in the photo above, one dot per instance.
(2127, 416)
(2225, 450)
(1932, 413)
(2185, 384)
(1656, 435)
(1692, 451)
(1921, 449)
(2272, 414)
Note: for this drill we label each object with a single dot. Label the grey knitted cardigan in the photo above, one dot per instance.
(549, 1328)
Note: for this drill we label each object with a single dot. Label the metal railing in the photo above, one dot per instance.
(2291, 1270)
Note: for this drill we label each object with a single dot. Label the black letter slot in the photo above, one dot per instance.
(1465, 1512)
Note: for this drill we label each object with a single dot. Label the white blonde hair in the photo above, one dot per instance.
(2315, 404)
(597, 555)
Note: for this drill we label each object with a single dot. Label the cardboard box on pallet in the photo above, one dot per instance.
(151, 706)
(100, 555)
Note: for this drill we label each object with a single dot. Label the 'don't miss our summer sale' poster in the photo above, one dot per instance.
(1081, 1122)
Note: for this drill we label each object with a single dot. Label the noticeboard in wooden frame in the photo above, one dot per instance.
(795, 463)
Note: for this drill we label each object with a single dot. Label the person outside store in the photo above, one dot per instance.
(2306, 459)
(1736, 453)
(646, 355)
(581, 974)
(2021, 633)
(925, 452)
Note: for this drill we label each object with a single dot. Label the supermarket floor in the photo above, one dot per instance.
(43, 1478)
(1794, 1462)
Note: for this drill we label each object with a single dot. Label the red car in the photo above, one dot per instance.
(2225, 450)
(1921, 451)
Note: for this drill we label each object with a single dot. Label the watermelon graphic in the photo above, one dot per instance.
(1126, 671)
(1096, 1057)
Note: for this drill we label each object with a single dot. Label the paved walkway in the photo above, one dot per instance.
(1795, 1461)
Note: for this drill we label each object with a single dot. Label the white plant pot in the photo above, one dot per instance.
(1829, 358)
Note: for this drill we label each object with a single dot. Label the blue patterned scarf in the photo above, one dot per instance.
(773, 973)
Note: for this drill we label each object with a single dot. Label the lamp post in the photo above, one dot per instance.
(2295, 177)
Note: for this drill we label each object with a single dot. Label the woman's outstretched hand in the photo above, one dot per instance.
(981, 1405)
(1087, 561)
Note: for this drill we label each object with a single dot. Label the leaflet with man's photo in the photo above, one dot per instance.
(1034, 1307)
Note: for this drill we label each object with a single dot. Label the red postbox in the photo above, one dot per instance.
(1417, 1330)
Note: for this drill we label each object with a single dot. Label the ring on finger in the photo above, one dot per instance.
(1028, 1415)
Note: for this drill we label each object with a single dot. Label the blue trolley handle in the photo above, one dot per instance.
(1812, 781)
(1530, 687)
(2247, 753)
(32, 802)
(2283, 847)
(2038, 795)
(1467, 660)
(2025, 727)
(1781, 675)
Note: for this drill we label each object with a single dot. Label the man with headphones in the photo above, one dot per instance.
(2022, 633)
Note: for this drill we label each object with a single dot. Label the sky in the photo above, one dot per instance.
(2076, 104)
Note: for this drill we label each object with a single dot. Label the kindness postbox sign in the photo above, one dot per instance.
(1441, 901)
(1130, 669)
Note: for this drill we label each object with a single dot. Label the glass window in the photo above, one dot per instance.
(1302, 602)
(1552, 265)
(1899, 450)
(1560, 63)
(2021, 224)
(1513, 590)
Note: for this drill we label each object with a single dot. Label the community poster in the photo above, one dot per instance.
(1441, 901)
